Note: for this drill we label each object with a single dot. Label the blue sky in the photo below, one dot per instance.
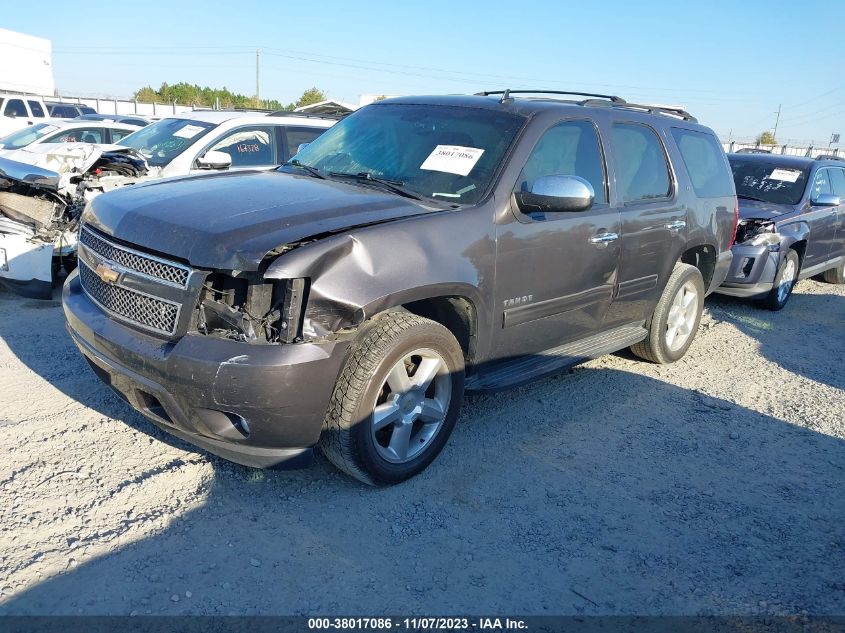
(729, 63)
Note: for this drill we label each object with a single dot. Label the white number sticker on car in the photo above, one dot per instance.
(787, 175)
(452, 159)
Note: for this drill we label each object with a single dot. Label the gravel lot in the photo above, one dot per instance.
(712, 486)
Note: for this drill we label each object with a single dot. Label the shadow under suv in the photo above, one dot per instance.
(420, 247)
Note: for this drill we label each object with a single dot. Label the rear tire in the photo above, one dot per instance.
(674, 322)
(835, 275)
(785, 281)
(396, 400)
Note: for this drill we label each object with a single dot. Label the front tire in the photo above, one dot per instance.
(675, 319)
(785, 281)
(396, 400)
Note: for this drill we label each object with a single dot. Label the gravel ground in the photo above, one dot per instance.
(712, 486)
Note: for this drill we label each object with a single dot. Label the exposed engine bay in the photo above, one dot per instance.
(756, 232)
(42, 195)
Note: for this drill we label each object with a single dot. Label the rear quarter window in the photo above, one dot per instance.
(705, 162)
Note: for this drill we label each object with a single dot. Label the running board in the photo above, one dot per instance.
(523, 369)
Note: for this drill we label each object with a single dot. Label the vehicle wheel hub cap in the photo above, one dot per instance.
(411, 405)
(682, 316)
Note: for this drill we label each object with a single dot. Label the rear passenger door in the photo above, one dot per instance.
(653, 221)
(554, 275)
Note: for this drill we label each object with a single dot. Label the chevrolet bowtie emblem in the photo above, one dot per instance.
(107, 274)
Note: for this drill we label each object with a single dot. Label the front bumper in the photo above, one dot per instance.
(26, 265)
(257, 405)
(753, 271)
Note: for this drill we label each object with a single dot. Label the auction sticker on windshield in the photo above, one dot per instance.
(452, 159)
(189, 131)
(787, 175)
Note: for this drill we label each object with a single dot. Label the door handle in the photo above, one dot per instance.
(676, 225)
(604, 238)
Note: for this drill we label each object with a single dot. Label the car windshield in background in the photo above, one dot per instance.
(446, 153)
(768, 181)
(164, 140)
(28, 135)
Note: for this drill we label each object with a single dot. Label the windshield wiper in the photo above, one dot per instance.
(311, 170)
(744, 197)
(393, 185)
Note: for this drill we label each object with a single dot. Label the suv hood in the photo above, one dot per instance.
(751, 209)
(230, 221)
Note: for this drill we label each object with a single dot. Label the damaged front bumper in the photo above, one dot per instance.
(257, 405)
(27, 265)
(753, 269)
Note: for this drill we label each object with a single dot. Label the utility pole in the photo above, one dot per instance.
(257, 93)
(777, 120)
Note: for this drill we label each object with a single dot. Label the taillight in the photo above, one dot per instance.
(736, 222)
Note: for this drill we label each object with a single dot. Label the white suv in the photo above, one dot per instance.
(18, 111)
(203, 139)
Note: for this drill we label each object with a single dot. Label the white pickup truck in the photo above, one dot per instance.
(17, 111)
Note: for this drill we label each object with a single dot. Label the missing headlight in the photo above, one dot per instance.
(250, 309)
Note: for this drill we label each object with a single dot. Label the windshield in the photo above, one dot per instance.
(768, 181)
(164, 140)
(28, 135)
(446, 153)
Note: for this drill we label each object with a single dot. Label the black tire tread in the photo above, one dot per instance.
(647, 349)
(374, 341)
(835, 275)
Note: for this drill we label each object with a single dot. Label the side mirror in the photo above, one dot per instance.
(556, 194)
(826, 200)
(301, 147)
(214, 160)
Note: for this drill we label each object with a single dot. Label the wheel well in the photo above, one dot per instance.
(457, 314)
(799, 247)
(704, 258)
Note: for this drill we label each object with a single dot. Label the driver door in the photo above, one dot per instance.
(556, 272)
(250, 147)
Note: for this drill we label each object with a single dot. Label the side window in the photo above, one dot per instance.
(15, 107)
(79, 135)
(296, 136)
(821, 183)
(705, 162)
(837, 181)
(36, 109)
(570, 148)
(116, 135)
(641, 169)
(249, 147)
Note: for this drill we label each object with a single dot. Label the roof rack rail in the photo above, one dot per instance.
(507, 92)
(310, 115)
(598, 100)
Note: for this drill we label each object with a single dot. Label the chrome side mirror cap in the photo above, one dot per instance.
(556, 194)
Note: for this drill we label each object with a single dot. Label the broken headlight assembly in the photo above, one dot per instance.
(251, 309)
(758, 233)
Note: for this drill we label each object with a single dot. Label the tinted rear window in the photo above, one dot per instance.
(768, 181)
(705, 162)
(642, 172)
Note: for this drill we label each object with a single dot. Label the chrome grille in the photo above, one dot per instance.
(143, 310)
(142, 263)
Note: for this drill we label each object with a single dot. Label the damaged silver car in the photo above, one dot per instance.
(40, 205)
(792, 225)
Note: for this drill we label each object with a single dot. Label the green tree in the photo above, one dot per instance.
(310, 96)
(766, 138)
(187, 94)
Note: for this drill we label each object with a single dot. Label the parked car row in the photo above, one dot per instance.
(420, 247)
(44, 185)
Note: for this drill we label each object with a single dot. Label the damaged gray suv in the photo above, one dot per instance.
(419, 248)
